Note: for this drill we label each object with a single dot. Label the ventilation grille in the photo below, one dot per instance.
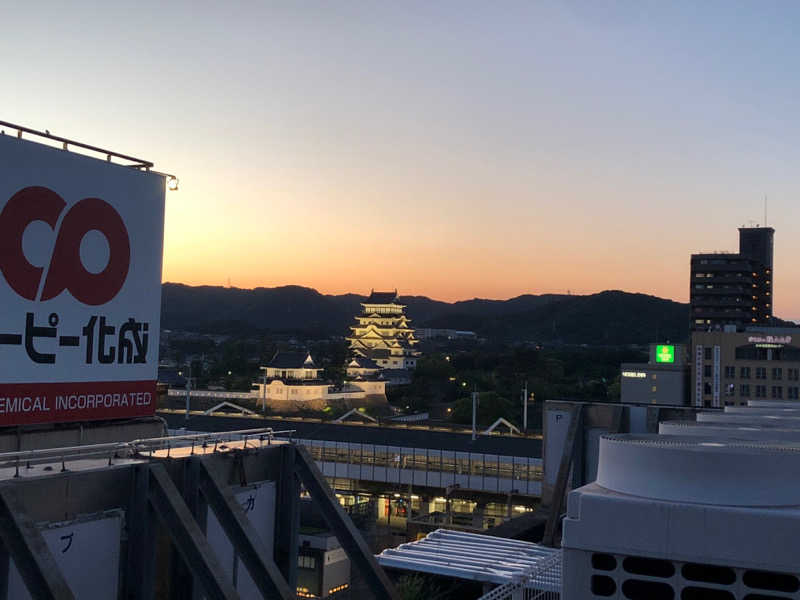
(644, 578)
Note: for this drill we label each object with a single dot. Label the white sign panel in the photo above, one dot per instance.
(698, 376)
(87, 555)
(557, 425)
(258, 502)
(80, 285)
(715, 399)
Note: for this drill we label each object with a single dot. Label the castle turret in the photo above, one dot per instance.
(382, 333)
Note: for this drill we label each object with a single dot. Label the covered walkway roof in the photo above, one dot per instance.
(478, 557)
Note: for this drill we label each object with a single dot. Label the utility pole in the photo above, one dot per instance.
(474, 413)
(525, 408)
(264, 391)
(188, 391)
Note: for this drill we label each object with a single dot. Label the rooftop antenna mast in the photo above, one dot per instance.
(765, 210)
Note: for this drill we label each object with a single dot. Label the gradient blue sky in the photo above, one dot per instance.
(453, 149)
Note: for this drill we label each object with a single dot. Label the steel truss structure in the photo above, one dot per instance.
(166, 487)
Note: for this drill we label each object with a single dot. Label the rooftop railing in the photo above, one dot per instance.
(197, 443)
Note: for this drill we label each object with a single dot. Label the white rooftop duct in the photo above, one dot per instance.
(722, 417)
(703, 470)
(732, 431)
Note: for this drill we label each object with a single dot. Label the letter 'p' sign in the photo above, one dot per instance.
(66, 270)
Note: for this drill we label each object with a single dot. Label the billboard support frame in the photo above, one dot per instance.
(138, 163)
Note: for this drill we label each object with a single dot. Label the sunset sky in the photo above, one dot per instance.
(451, 149)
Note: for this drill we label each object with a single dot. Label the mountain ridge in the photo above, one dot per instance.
(611, 317)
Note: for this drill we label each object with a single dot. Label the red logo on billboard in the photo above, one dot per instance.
(66, 271)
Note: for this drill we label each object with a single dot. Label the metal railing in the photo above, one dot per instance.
(541, 582)
(213, 394)
(66, 143)
(138, 162)
(196, 442)
(421, 426)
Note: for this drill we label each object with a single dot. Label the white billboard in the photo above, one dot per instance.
(81, 245)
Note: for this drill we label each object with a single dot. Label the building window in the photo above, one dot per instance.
(744, 373)
(777, 373)
(306, 562)
(761, 391)
(761, 372)
(777, 392)
(793, 374)
(707, 371)
(706, 388)
(744, 390)
(730, 389)
(793, 393)
(708, 354)
(730, 372)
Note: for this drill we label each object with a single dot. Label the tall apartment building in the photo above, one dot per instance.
(734, 289)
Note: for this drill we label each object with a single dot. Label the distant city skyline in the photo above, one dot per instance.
(449, 149)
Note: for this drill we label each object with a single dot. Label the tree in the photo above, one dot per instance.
(417, 587)
(491, 406)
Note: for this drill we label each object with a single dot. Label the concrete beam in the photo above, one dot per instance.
(242, 534)
(287, 519)
(140, 568)
(25, 544)
(349, 537)
(185, 533)
(574, 432)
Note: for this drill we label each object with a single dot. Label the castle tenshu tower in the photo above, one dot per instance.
(382, 333)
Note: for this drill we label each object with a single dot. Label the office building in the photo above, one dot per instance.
(729, 367)
(734, 289)
(663, 380)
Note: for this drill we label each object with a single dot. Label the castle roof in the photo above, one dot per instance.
(292, 360)
(382, 298)
(362, 362)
